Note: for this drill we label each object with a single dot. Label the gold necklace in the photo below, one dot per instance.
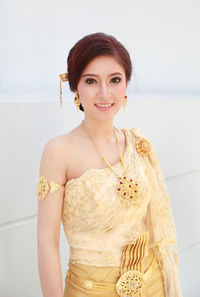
(128, 191)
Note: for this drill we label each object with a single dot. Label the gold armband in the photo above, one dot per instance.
(43, 187)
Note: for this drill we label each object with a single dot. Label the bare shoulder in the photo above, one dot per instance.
(56, 145)
(53, 160)
(62, 144)
(58, 152)
(67, 142)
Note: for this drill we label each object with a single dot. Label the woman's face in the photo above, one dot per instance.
(103, 81)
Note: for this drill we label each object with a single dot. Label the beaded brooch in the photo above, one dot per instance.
(130, 191)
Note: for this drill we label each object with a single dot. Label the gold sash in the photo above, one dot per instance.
(132, 281)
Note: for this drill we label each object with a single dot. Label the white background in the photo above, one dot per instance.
(161, 36)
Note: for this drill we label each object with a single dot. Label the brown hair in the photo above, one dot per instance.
(91, 46)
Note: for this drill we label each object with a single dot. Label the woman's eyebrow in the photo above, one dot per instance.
(96, 75)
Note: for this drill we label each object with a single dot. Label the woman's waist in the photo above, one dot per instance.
(83, 266)
(99, 257)
(128, 279)
(100, 249)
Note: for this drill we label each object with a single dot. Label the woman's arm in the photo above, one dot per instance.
(49, 217)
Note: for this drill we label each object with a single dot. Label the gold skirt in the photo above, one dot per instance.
(87, 280)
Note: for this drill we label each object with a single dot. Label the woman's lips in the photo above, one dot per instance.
(104, 108)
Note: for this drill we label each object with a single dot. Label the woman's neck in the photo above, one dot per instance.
(99, 130)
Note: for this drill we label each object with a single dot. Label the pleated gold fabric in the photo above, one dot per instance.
(133, 253)
(110, 274)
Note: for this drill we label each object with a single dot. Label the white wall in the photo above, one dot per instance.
(161, 36)
(172, 125)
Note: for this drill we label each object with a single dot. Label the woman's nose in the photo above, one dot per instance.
(104, 90)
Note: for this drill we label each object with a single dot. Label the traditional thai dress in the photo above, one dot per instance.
(121, 235)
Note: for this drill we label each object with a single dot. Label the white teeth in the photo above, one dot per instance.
(104, 105)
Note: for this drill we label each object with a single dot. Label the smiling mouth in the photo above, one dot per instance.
(104, 105)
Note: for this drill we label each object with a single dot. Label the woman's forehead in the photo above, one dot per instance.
(103, 64)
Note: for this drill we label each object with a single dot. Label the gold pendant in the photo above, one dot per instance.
(129, 191)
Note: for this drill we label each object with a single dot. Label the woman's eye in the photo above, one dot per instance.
(116, 79)
(90, 81)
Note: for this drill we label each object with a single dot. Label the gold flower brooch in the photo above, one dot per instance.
(143, 146)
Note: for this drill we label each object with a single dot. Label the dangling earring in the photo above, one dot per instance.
(77, 101)
(124, 102)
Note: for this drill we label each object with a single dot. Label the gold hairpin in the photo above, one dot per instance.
(64, 78)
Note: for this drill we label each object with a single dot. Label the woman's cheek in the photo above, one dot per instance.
(85, 92)
(120, 91)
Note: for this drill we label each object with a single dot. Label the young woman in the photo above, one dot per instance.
(106, 187)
